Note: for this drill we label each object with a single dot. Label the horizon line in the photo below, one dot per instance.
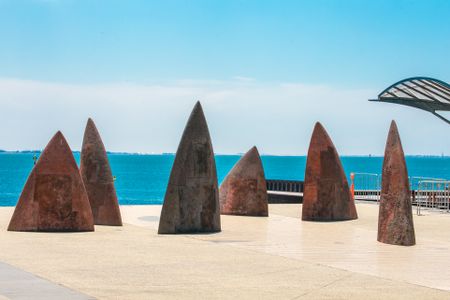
(225, 154)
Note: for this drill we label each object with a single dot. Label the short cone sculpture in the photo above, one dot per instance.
(326, 195)
(395, 220)
(54, 197)
(191, 203)
(98, 180)
(244, 191)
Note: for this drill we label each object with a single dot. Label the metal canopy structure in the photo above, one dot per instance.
(420, 92)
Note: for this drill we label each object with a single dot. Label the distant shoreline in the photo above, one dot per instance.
(223, 154)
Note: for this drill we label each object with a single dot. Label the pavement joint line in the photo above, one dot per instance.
(252, 249)
(13, 280)
(323, 286)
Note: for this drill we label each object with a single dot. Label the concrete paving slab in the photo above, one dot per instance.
(16, 284)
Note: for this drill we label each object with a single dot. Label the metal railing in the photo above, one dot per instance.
(293, 186)
(414, 181)
(366, 186)
(433, 195)
(284, 191)
(426, 192)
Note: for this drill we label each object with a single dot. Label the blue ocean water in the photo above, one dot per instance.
(142, 179)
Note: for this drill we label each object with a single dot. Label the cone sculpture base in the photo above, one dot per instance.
(395, 220)
(54, 197)
(326, 195)
(98, 180)
(191, 203)
(244, 192)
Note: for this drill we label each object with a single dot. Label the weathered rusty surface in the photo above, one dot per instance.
(326, 195)
(54, 197)
(243, 191)
(395, 220)
(191, 203)
(98, 180)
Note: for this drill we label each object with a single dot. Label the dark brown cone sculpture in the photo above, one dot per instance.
(54, 197)
(244, 192)
(395, 220)
(191, 203)
(98, 180)
(326, 195)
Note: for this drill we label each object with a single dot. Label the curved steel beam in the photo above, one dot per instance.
(413, 78)
(441, 117)
(429, 103)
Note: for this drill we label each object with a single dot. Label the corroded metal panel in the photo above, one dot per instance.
(54, 197)
(191, 203)
(395, 220)
(98, 180)
(244, 190)
(326, 194)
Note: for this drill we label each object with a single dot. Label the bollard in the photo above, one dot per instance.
(352, 187)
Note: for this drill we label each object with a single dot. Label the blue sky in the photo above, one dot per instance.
(234, 56)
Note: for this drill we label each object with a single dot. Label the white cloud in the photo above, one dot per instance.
(278, 118)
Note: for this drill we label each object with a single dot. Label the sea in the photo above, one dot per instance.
(142, 179)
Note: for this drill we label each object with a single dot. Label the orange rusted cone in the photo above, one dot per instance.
(395, 220)
(98, 180)
(244, 192)
(326, 195)
(54, 197)
(191, 203)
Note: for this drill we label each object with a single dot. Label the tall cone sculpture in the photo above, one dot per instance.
(191, 203)
(244, 191)
(395, 220)
(326, 195)
(98, 180)
(54, 197)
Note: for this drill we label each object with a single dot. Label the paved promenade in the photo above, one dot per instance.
(18, 284)
(277, 257)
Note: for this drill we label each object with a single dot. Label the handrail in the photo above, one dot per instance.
(295, 186)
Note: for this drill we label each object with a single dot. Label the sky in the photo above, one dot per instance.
(264, 71)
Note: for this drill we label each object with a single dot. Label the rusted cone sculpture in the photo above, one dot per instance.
(191, 203)
(98, 180)
(326, 195)
(244, 191)
(54, 197)
(395, 221)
